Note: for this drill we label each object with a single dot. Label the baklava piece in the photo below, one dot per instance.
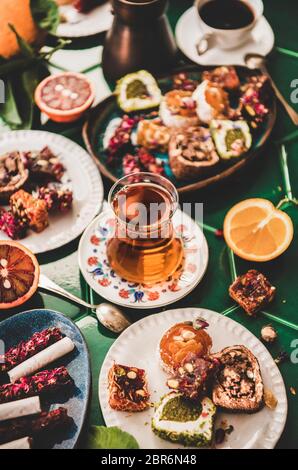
(192, 153)
(252, 291)
(238, 382)
(128, 388)
(13, 174)
(153, 135)
(26, 207)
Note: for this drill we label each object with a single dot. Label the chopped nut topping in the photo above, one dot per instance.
(270, 400)
(188, 367)
(268, 334)
(131, 375)
(187, 335)
(172, 383)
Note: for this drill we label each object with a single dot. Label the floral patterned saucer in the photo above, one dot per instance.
(104, 281)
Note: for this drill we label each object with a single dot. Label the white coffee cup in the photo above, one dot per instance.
(227, 38)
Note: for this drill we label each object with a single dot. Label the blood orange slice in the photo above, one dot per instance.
(19, 274)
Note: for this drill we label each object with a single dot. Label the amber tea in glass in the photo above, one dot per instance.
(144, 248)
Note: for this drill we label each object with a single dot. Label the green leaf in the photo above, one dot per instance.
(15, 65)
(45, 14)
(101, 437)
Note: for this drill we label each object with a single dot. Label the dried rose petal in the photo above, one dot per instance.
(200, 323)
(221, 433)
(219, 436)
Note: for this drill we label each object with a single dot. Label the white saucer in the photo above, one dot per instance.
(105, 282)
(96, 21)
(188, 33)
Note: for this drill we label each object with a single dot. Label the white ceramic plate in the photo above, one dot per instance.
(137, 346)
(103, 280)
(188, 33)
(96, 21)
(81, 175)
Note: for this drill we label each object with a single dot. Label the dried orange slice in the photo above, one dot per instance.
(180, 340)
(19, 274)
(256, 231)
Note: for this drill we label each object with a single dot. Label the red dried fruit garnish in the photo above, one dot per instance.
(25, 349)
(121, 137)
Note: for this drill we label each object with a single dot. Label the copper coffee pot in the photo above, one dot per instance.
(140, 38)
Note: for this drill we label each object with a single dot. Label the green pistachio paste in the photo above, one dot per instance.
(136, 89)
(232, 135)
(181, 409)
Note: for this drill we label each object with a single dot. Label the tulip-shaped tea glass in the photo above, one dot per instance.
(144, 247)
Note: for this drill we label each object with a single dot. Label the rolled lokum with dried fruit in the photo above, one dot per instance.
(42, 359)
(46, 381)
(25, 349)
(34, 426)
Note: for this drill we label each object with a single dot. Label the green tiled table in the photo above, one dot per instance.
(264, 179)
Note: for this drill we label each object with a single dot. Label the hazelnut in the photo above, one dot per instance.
(188, 367)
(177, 338)
(268, 334)
(187, 335)
(131, 375)
(172, 383)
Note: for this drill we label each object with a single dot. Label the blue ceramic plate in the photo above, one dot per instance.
(23, 326)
